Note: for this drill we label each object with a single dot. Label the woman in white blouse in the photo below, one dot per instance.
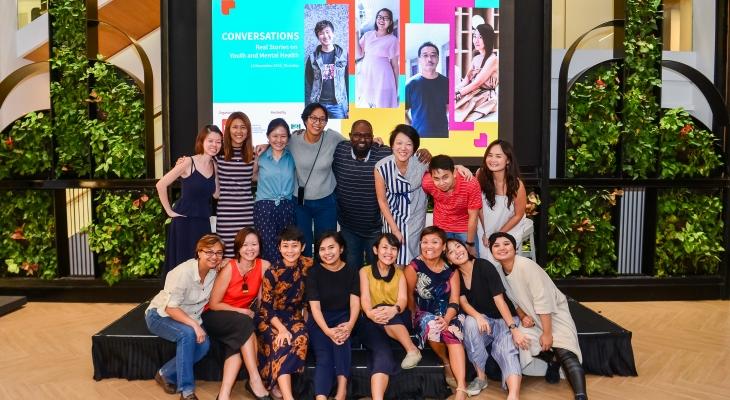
(174, 314)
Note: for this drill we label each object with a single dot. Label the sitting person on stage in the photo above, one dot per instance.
(333, 292)
(545, 317)
(433, 298)
(384, 300)
(229, 317)
(174, 315)
(283, 336)
(490, 319)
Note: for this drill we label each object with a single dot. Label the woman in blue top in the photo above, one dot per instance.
(274, 171)
(191, 213)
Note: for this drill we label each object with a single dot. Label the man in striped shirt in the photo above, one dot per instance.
(357, 207)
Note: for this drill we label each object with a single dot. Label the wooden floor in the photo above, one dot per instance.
(682, 351)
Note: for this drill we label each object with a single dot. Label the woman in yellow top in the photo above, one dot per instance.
(383, 298)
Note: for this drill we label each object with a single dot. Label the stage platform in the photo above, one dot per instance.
(126, 349)
(9, 304)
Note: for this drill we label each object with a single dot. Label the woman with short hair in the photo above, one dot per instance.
(174, 315)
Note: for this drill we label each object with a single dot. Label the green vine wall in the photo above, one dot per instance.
(128, 235)
(581, 233)
(641, 107)
(592, 125)
(26, 151)
(28, 226)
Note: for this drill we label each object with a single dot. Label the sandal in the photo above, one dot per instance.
(449, 376)
(459, 389)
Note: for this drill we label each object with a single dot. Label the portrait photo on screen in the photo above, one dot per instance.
(427, 80)
(326, 38)
(377, 53)
(476, 55)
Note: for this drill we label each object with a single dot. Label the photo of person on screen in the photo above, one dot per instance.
(427, 95)
(325, 73)
(378, 52)
(476, 96)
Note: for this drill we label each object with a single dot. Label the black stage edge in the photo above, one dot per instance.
(9, 304)
(126, 349)
(80, 290)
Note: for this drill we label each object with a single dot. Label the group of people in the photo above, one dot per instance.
(459, 285)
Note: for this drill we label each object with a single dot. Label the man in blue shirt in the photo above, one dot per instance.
(427, 96)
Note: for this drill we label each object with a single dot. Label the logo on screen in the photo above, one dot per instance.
(227, 5)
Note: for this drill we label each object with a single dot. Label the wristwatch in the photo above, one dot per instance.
(512, 326)
(470, 244)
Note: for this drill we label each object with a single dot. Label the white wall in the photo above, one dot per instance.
(31, 94)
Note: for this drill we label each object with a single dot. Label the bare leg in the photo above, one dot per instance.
(341, 388)
(248, 350)
(284, 382)
(400, 333)
(231, 366)
(457, 359)
(378, 385)
(513, 387)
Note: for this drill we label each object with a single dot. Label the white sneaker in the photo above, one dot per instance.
(476, 386)
(411, 359)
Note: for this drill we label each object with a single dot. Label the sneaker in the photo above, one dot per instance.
(411, 359)
(476, 386)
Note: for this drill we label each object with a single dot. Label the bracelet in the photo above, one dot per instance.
(454, 306)
(470, 244)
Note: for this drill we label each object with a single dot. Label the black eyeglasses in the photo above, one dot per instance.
(244, 288)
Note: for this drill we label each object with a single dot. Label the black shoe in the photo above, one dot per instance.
(169, 388)
(552, 375)
(255, 396)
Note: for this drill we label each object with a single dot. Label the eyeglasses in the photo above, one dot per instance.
(211, 253)
(244, 288)
(383, 18)
(316, 120)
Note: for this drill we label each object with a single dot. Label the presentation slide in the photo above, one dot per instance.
(433, 64)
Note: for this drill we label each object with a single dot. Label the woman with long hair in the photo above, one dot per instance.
(377, 79)
(503, 195)
(229, 314)
(488, 318)
(191, 213)
(384, 300)
(235, 173)
(433, 298)
(544, 315)
(283, 338)
(476, 94)
(274, 171)
(333, 292)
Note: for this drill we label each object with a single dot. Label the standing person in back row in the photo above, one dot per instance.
(456, 201)
(325, 74)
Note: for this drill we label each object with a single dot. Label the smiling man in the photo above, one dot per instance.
(357, 206)
(456, 202)
(325, 74)
(427, 95)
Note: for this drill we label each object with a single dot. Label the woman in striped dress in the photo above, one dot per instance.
(235, 173)
(401, 199)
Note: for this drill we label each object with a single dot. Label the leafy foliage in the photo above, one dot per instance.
(26, 150)
(27, 241)
(689, 233)
(592, 126)
(580, 233)
(685, 151)
(643, 76)
(117, 137)
(129, 235)
(69, 86)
